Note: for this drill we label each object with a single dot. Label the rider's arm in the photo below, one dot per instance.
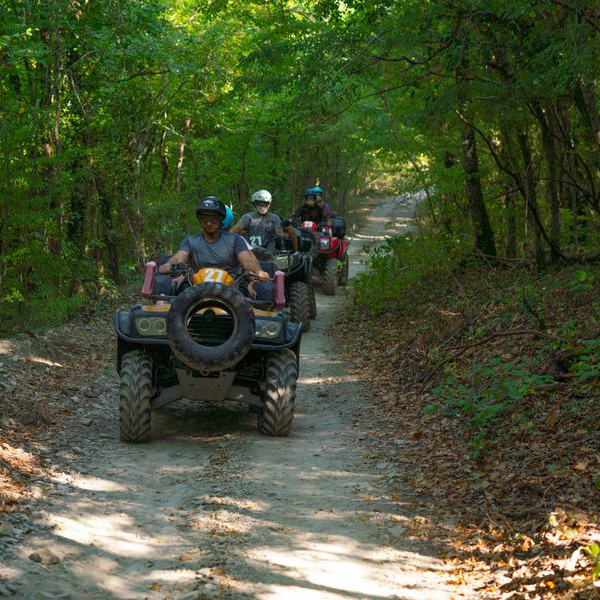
(250, 263)
(287, 227)
(246, 258)
(181, 256)
(238, 228)
(241, 225)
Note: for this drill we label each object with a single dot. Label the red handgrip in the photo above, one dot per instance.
(279, 278)
(149, 270)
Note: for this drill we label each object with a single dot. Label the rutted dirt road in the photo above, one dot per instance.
(211, 509)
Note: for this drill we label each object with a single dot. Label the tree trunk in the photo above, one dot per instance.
(484, 236)
(549, 144)
(531, 199)
(182, 144)
(164, 161)
(510, 202)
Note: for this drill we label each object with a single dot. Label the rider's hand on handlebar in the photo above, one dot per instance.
(260, 277)
(263, 276)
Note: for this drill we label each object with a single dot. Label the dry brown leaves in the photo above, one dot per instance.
(514, 519)
(38, 373)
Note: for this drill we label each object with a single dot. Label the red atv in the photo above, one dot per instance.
(332, 257)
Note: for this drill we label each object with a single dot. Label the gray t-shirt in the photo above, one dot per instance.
(261, 230)
(222, 253)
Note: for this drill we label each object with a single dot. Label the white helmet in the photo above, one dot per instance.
(261, 196)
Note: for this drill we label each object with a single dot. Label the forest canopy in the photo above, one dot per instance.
(116, 116)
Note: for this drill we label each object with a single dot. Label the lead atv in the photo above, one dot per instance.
(210, 343)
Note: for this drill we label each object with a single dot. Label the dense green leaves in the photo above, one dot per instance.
(115, 116)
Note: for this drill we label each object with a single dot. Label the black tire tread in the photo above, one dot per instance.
(135, 396)
(277, 412)
(187, 350)
(330, 276)
(300, 304)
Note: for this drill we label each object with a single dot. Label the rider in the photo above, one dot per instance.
(214, 247)
(228, 220)
(310, 210)
(262, 227)
(320, 202)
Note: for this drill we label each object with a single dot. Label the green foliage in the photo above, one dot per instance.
(487, 393)
(592, 551)
(115, 116)
(587, 366)
(399, 267)
(582, 281)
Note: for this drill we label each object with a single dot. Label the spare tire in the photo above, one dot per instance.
(210, 341)
(313, 238)
(263, 254)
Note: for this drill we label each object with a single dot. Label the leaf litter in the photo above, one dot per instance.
(513, 506)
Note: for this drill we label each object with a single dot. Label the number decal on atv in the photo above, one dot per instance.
(216, 275)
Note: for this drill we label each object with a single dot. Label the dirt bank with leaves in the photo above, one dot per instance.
(488, 379)
(208, 508)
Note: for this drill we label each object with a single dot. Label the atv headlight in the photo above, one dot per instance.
(267, 329)
(282, 262)
(151, 326)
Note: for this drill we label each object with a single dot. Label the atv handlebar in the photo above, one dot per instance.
(179, 269)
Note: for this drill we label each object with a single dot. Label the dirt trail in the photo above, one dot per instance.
(211, 509)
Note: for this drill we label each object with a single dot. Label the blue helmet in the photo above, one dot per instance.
(310, 192)
(228, 220)
(317, 190)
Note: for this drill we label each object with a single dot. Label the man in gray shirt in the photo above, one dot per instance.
(261, 227)
(214, 247)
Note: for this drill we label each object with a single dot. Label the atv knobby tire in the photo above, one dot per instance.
(135, 396)
(315, 241)
(300, 304)
(277, 412)
(330, 276)
(210, 358)
(312, 302)
(343, 266)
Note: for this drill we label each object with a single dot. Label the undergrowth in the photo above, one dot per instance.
(495, 339)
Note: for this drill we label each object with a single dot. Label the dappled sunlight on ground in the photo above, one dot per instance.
(97, 484)
(106, 533)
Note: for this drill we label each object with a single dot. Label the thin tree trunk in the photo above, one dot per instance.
(531, 199)
(510, 203)
(164, 161)
(549, 144)
(5, 210)
(484, 236)
(179, 172)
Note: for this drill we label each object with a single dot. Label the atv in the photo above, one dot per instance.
(209, 342)
(332, 258)
(296, 266)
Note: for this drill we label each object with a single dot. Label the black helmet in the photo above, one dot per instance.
(211, 204)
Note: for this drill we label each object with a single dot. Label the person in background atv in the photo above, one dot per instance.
(310, 210)
(261, 227)
(228, 220)
(214, 247)
(320, 202)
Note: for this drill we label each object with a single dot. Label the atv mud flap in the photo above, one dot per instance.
(215, 388)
